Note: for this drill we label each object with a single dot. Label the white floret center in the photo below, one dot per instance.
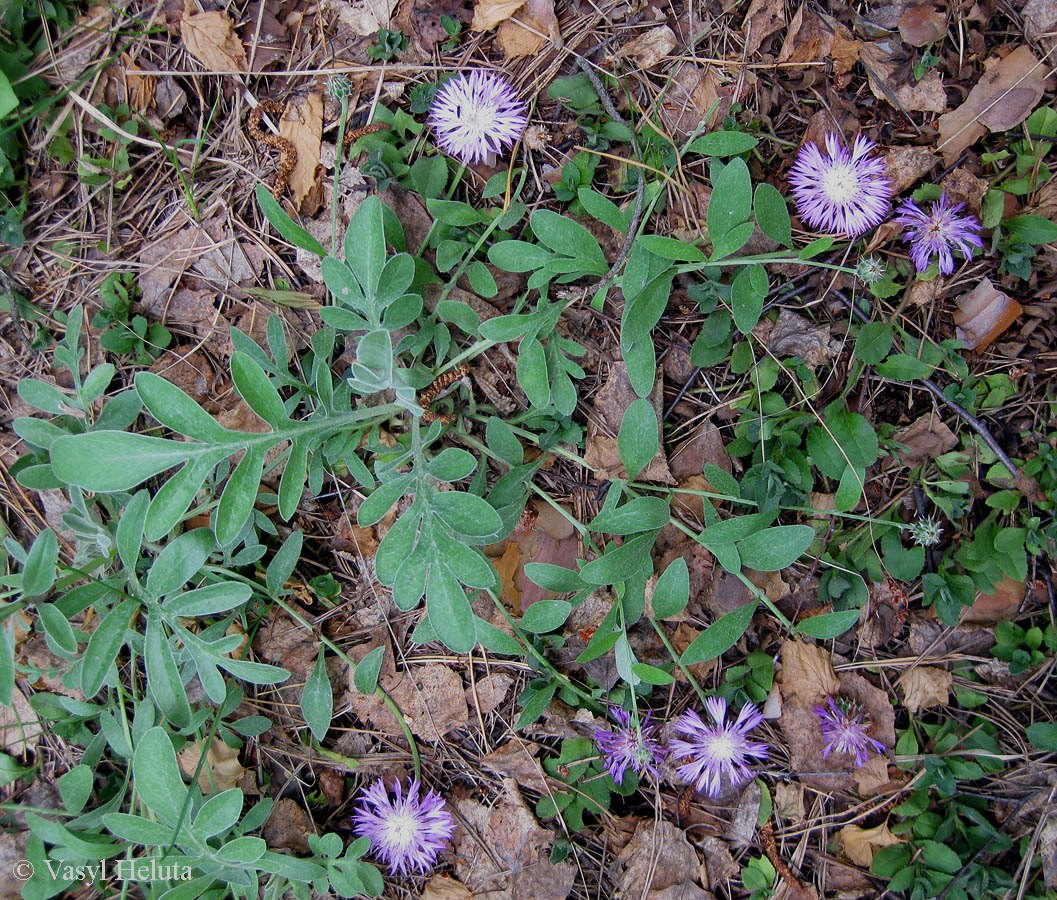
(840, 183)
(400, 829)
(722, 747)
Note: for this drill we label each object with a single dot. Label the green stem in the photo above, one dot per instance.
(675, 656)
(339, 160)
(564, 680)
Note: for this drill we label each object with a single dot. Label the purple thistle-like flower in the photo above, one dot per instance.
(477, 116)
(840, 191)
(935, 233)
(844, 728)
(718, 753)
(406, 832)
(622, 749)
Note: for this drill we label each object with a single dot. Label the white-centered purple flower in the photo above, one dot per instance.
(717, 754)
(477, 116)
(844, 729)
(937, 232)
(839, 191)
(407, 831)
(624, 748)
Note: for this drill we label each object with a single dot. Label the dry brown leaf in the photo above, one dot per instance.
(812, 37)
(489, 693)
(517, 759)
(925, 686)
(922, 293)
(140, 87)
(364, 17)
(922, 25)
(1000, 605)
(962, 186)
(926, 438)
(1040, 20)
(794, 335)
(763, 19)
(696, 92)
(740, 831)
(1003, 97)
(444, 887)
(659, 856)
(906, 165)
(650, 47)
(1048, 852)
(545, 536)
(210, 38)
(221, 771)
(610, 404)
(20, 727)
(789, 800)
(431, 698)
(807, 672)
(526, 32)
(489, 13)
(517, 866)
(302, 125)
(860, 844)
(872, 776)
(926, 95)
(983, 314)
(287, 827)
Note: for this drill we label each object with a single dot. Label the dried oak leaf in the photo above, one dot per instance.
(789, 800)
(962, 186)
(488, 692)
(302, 125)
(925, 686)
(860, 844)
(794, 335)
(444, 887)
(983, 314)
(1003, 97)
(693, 94)
(610, 404)
(287, 827)
(363, 17)
(812, 37)
(763, 19)
(1000, 605)
(925, 438)
(210, 38)
(221, 770)
(650, 47)
(920, 26)
(20, 727)
(872, 776)
(525, 33)
(517, 759)
(549, 538)
(658, 857)
(807, 672)
(489, 13)
(431, 697)
(516, 865)
(906, 165)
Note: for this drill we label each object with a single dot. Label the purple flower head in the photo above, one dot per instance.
(935, 233)
(477, 116)
(840, 191)
(622, 748)
(406, 832)
(844, 727)
(719, 752)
